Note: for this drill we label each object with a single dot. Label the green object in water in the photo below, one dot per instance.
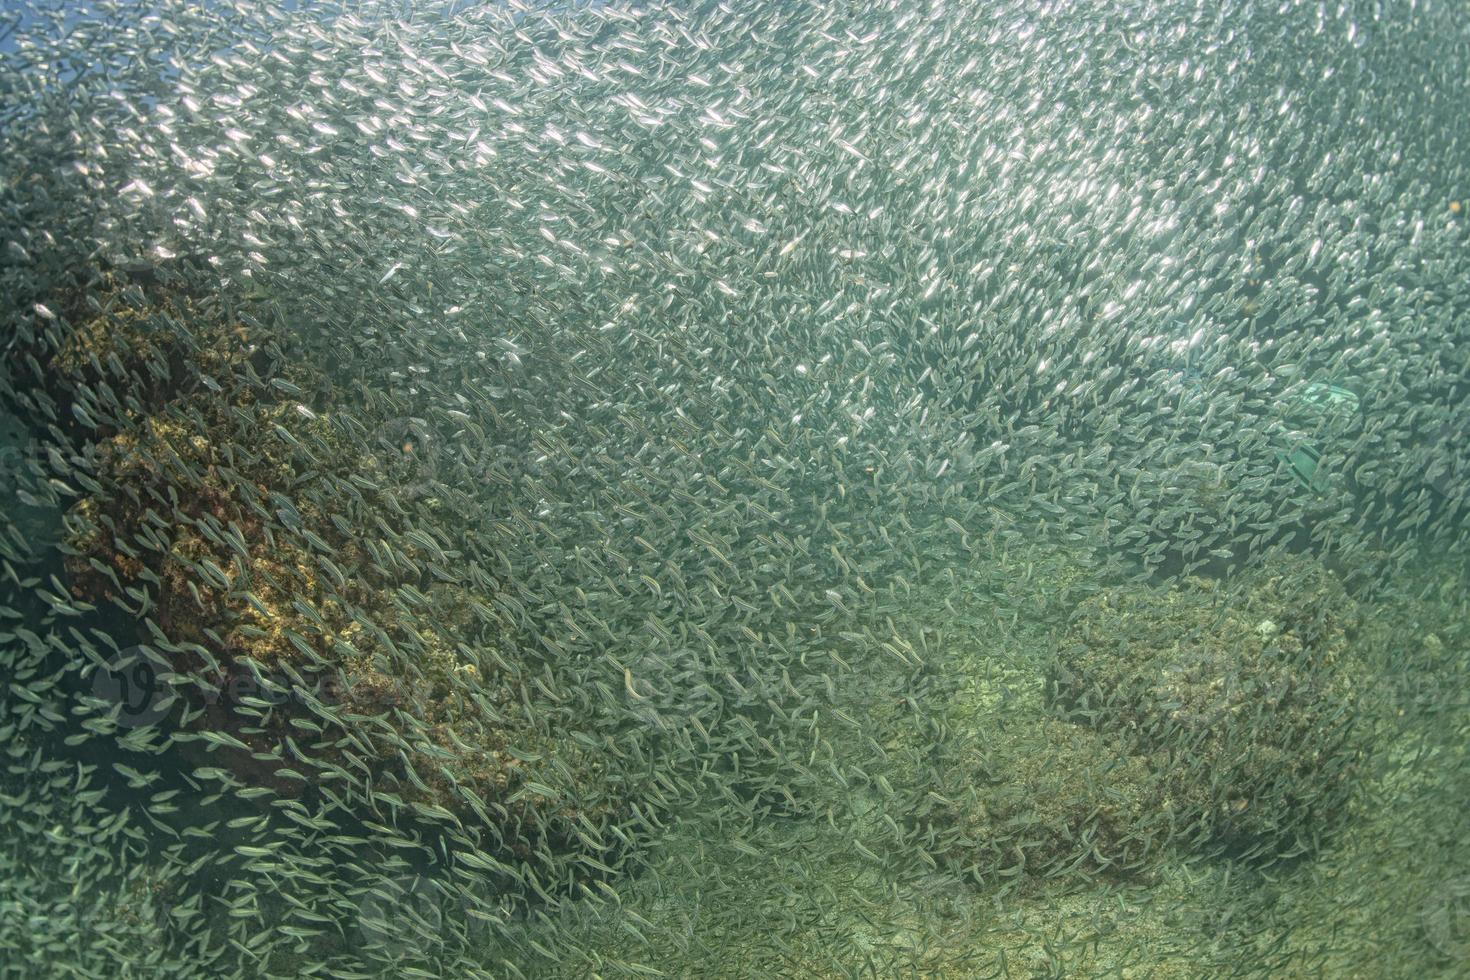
(1307, 412)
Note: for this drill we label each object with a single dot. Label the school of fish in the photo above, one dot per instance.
(473, 472)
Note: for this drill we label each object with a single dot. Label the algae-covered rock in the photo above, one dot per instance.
(1047, 800)
(312, 632)
(1247, 700)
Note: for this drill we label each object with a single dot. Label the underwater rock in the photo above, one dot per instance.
(1245, 703)
(301, 654)
(1033, 803)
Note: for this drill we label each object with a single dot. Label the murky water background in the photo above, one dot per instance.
(733, 490)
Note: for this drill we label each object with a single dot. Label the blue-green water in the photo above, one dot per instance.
(733, 490)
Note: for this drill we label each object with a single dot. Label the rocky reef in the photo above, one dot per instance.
(1244, 701)
(300, 654)
(1198, 721)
